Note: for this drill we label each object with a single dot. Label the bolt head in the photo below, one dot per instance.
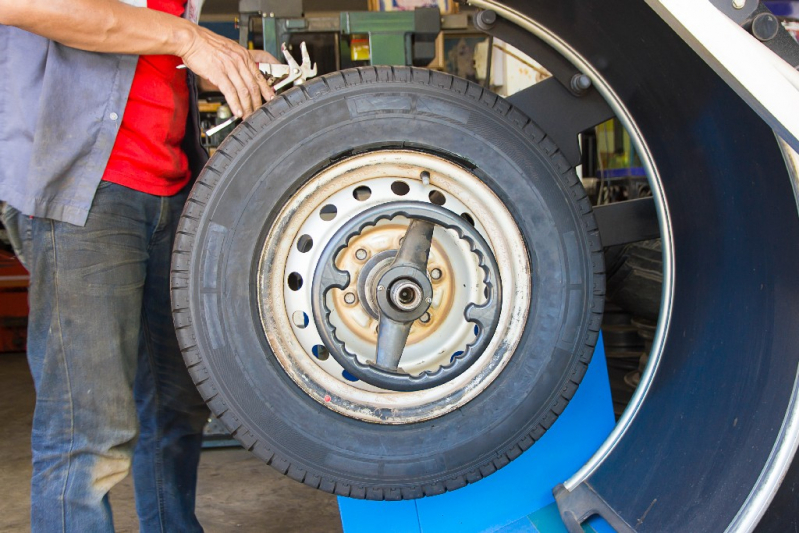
(487, 18)
(435, 273)
(425, 318)
(380, 288)
(361, 254)
(429, 300)
(581, 82)
(349, 298)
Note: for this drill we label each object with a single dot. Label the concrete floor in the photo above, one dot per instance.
(236, 492)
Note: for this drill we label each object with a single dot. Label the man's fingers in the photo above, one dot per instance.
(242, 91)
(254, 78)
(267, 92)
(245, 78)
(262, 86)
(231, 96)
(262, 56)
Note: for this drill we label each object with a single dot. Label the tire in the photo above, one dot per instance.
(635, 277)
(226, 314)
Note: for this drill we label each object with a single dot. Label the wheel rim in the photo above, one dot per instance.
(307, 224)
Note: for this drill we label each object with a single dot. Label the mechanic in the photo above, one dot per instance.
(100, 143)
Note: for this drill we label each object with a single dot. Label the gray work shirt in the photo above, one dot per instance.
(60, 111)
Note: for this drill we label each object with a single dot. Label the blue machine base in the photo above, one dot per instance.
(517, 498)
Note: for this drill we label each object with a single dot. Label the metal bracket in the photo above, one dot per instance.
(563, 106)
(561, 114)
(494, 25)
(582, 503)
(626, 222)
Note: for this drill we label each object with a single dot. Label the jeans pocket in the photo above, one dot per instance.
(18, 227)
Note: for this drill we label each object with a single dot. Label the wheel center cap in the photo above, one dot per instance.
(404, 293)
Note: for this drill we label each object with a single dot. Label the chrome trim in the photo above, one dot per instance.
(773, 473)
(663, 216)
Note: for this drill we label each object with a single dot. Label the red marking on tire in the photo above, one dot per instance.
(327, 398)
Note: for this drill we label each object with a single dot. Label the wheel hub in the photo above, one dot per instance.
(403, 295)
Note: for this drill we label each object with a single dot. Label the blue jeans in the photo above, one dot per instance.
(112, 391)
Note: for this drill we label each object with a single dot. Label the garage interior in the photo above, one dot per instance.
(239, 491)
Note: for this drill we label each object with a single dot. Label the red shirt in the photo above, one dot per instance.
(147, 155)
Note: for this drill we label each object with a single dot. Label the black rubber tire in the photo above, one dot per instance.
(232, 207)
(635, 277)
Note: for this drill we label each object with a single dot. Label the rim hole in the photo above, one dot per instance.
(454, 356)
(437, 198)
(349, 377)
(362, 193)
(328, 212)
(295, 281)
(300, 319)
(400, 188)
(304, 244)
(468, 218)
(320, 352)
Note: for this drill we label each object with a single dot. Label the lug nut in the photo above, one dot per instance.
(349, 298)
(429, 300)
(425, 318)
(380, 288)
(361, 254)
(435, 273)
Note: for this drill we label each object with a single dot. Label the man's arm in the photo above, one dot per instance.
(113, 27)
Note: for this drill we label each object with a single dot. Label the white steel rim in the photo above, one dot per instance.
(286, 311)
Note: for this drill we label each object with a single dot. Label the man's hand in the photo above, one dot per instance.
(231, 68)
(259, 56)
